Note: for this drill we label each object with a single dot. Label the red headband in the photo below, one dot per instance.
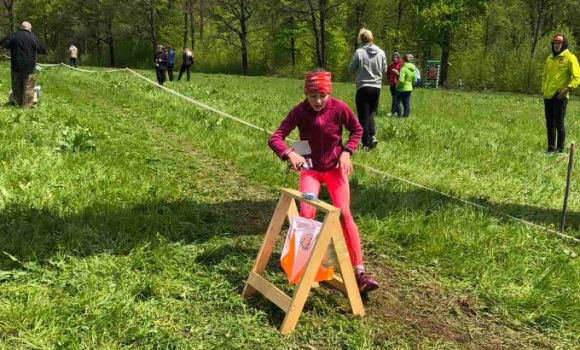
(318, 83)
(558, 38)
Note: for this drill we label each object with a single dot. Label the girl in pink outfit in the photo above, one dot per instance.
(320, 120)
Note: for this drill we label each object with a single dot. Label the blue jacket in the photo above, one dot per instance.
(171, 57)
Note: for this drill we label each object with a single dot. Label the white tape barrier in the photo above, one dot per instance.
(223, 114)
(46, 65)
(367, 168)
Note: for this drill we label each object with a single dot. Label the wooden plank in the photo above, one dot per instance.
(303, 289)
(330, 231)
(292, 211)
(269, 240)
(270, 291)
(346, 270)
(337, 283)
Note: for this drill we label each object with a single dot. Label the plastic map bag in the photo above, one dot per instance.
(298, 246)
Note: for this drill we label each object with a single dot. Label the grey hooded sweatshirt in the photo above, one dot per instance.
(370, 63)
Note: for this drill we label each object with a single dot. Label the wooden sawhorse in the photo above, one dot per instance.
(330, 231)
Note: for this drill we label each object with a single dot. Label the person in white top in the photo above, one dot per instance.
(73, 55)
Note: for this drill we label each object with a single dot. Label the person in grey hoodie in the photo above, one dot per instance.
(370, 63)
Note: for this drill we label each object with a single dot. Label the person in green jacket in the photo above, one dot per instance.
(561, 75)
(407, 79)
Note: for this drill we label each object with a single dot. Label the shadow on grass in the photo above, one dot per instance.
(546, 217)
(389, 197)
(36, 235)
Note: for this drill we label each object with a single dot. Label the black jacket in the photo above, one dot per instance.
(24, 46)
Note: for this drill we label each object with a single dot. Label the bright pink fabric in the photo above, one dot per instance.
(323, 130)
(339, 190)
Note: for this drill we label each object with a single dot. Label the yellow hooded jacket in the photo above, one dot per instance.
(561, 71)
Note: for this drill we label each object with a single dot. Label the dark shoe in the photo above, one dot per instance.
(560, 150)
(365, 283)
(550, 150)
(373, 143)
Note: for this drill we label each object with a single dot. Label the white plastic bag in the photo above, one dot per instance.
(298, 246)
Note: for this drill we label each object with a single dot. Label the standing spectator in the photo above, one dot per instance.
(561, 75)
(320, 120)
(73, 55)
(186, 63)
(160, 64)
(170, 62)
(370, 63)
(407, 79)
(24, 47)
(393, 77)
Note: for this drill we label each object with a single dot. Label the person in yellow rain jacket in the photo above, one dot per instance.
(561, 75)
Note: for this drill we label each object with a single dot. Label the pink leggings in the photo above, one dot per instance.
(339, 190)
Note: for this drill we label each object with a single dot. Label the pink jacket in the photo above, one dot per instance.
(392, 77)
(323, 130)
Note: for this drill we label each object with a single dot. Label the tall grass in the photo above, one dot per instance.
(144, 239)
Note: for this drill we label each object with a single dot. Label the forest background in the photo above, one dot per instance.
(498, 45)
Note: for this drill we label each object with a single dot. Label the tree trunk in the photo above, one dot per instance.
(293, 49)
(185, 29)
(152, 26)
(10, 14)
(445, 51)
(111, 43)
(244, 36)
(98, 52)
(536, 28)
(316, 35)
(322, 9)
(201, 9)
(192, 24)
(400, 11)
(112, 53)
(359, 9)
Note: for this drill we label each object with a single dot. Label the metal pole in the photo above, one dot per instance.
(567, 190)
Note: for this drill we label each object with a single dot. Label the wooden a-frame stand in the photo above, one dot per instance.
(330, 231)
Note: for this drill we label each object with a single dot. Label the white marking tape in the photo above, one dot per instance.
(368, 168)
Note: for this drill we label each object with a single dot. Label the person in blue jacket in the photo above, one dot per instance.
(170, 62)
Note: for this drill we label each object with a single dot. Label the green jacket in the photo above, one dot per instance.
(560, 72)
(407, 78)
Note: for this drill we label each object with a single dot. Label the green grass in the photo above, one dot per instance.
(130, 219)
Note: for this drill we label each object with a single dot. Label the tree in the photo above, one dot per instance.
(539, 12)
(441, 20)
(237, 17)
(9, 4)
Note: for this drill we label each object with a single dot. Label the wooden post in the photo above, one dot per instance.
(567, 189)
(330, 232)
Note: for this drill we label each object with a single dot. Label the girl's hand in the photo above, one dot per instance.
(345, 164)
(295, 160)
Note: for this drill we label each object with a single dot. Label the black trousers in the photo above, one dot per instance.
(184, 68)
(394, 99)
(367, 105)
(160, 75)
(170, 71)
(555, 111)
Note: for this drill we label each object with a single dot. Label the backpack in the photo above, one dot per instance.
(417, 76)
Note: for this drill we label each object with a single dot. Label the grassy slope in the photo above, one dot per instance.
(146, 241)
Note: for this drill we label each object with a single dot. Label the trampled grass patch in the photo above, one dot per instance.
(144, 239)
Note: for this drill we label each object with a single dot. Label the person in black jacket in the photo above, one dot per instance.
(24, 47)
(186, 63)
(160, 64)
